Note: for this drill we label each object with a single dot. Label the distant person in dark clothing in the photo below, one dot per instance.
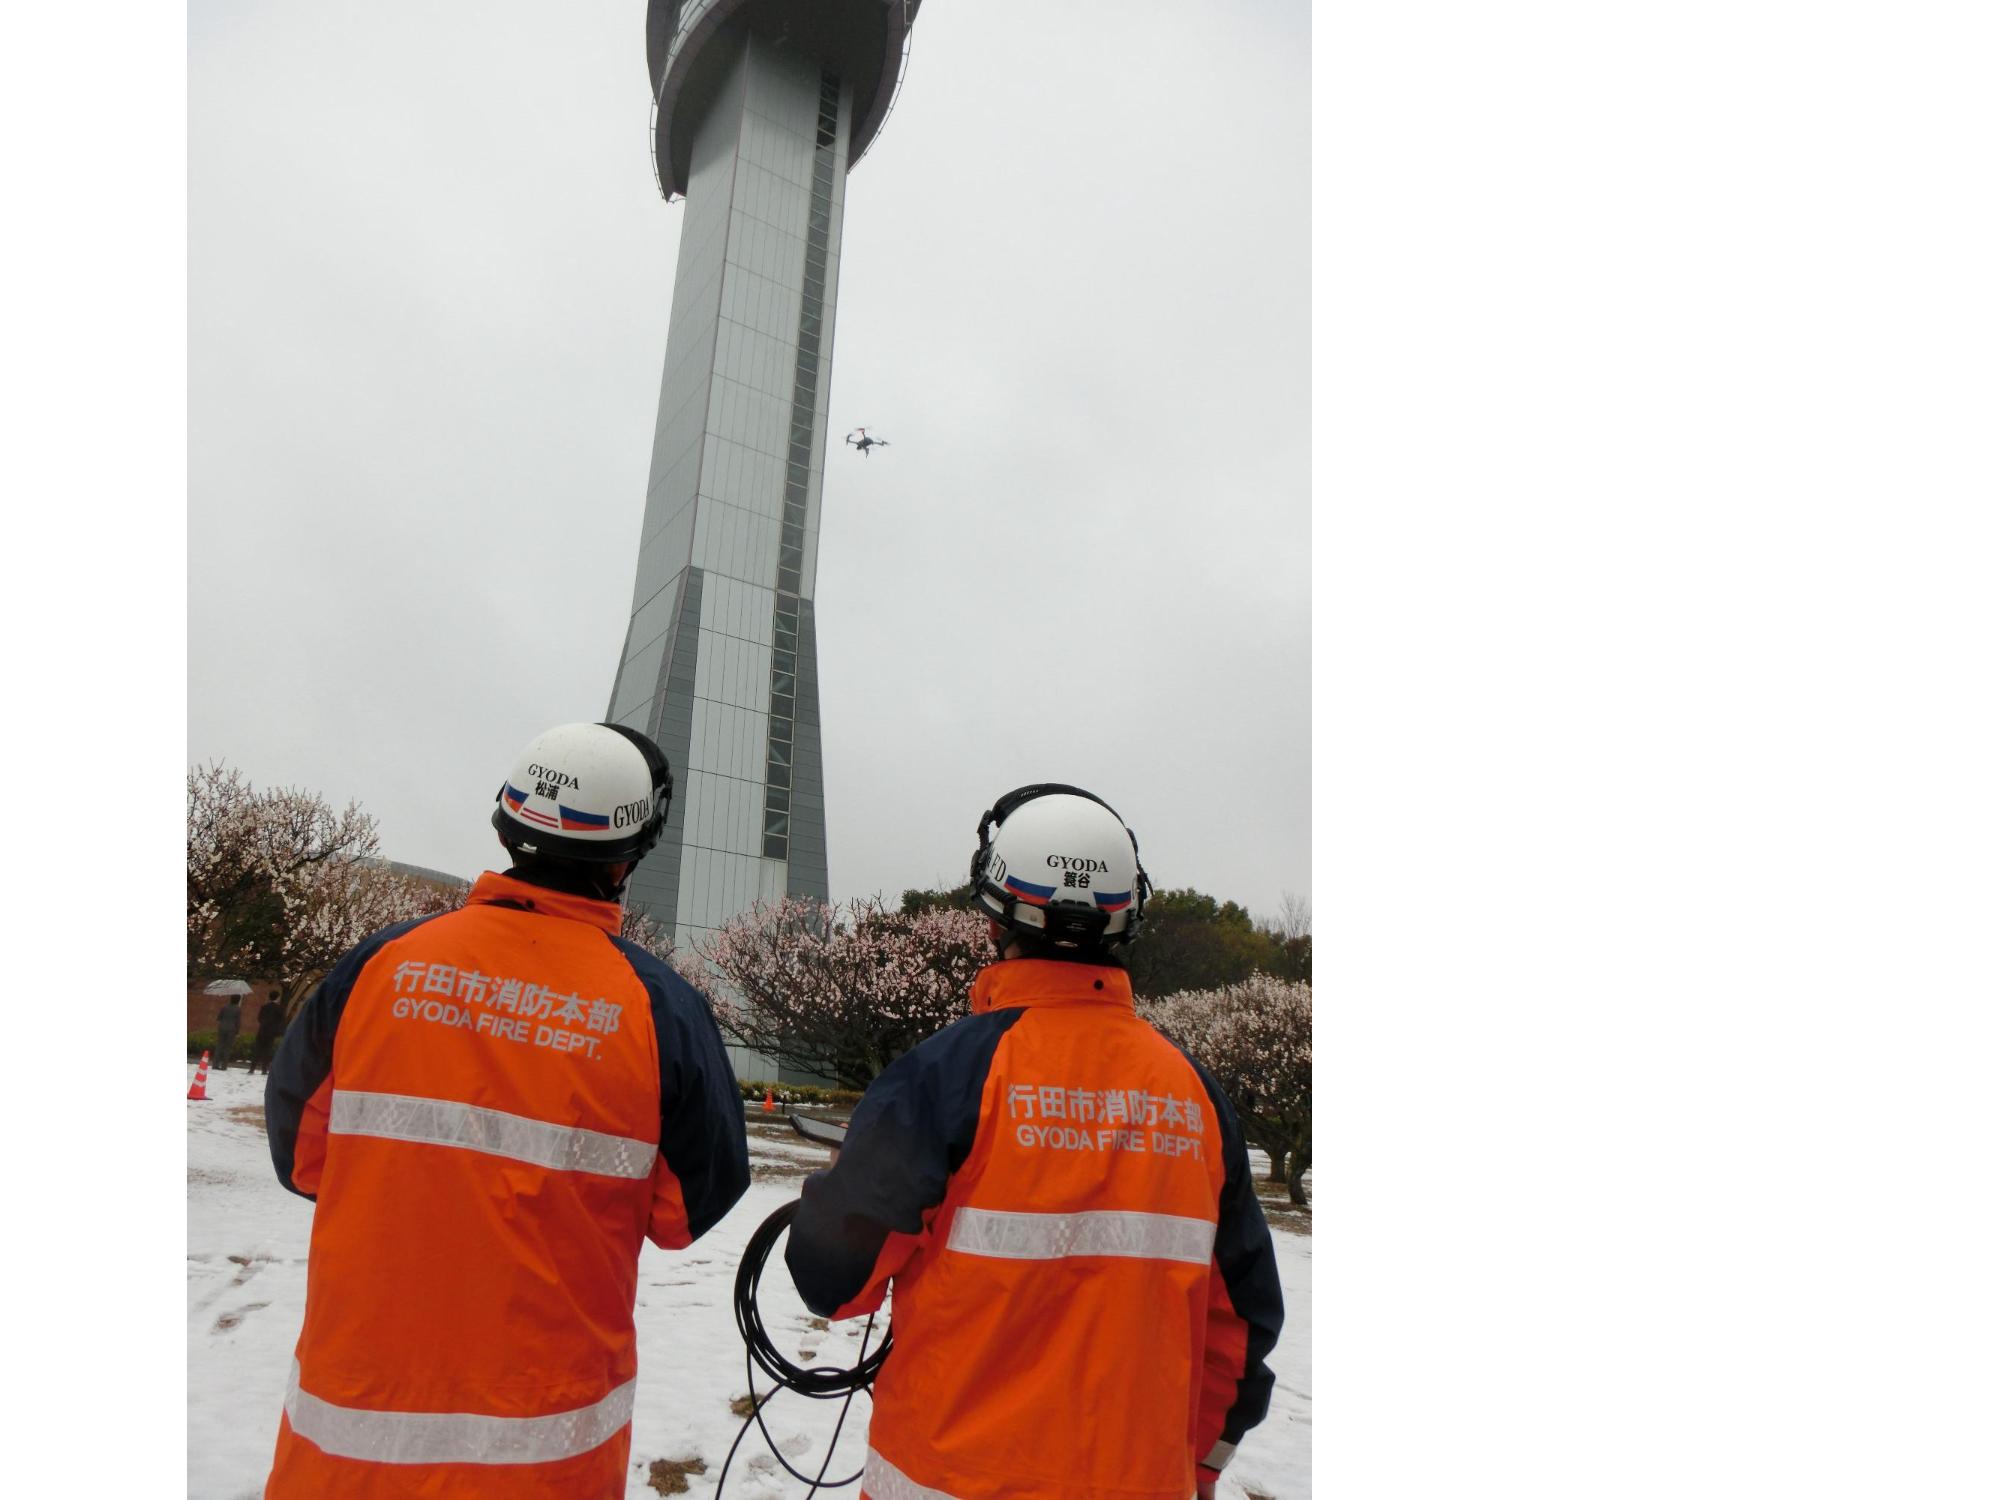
(270, 1026)
(228, 1021)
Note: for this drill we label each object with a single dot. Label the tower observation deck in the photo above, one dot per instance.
(761, 106)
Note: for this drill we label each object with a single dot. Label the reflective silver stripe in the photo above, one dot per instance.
(1219, 1455)
(882, 1480)
(444, 1122)
(982, 1231)
(453, 1437)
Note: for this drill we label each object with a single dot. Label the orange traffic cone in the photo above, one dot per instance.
(200, 1089)
(769, 1104)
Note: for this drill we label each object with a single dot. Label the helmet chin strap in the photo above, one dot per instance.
(1001, 937)
(614, 889)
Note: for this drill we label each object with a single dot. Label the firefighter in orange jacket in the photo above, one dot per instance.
(493, 1107)
(1085, 1288)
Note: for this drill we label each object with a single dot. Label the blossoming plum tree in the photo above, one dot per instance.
(1256, 1038)
(840, 991)
(280, 885)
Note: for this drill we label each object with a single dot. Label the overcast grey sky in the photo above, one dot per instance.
(429, 274)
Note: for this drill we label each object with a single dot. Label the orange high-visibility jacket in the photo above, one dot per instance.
(492, 1107)
(1085, 1287)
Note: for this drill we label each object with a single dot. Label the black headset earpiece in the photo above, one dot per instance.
(662, 774)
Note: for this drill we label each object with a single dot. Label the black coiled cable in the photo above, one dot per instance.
(821, 1382)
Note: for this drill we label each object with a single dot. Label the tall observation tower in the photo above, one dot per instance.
(762, 106)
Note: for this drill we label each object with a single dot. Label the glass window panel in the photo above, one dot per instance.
(781, 733)
(778, 823)
(778, 775)
(774, 846)
(781, 706)
(784, 661)
(780, 753)
(782, 682)
(788, 579)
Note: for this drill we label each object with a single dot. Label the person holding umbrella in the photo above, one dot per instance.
(228, 1021)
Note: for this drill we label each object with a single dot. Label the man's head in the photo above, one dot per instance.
(583, 805)
(1057, 873)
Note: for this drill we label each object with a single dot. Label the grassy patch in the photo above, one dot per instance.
(669, 1475)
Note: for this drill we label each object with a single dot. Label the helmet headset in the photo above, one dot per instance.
(585, 794)
(1064, 839)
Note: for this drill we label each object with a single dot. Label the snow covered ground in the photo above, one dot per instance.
(246, 1262)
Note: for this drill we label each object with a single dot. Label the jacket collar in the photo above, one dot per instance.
(1046, 981)
(504, 890)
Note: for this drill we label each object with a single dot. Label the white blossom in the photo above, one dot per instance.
(1256, 1038)
(840, 991)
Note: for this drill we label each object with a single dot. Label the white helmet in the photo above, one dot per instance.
(592, 792)
(1061, 867)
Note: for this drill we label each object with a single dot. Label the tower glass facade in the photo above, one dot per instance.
(719, 664)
